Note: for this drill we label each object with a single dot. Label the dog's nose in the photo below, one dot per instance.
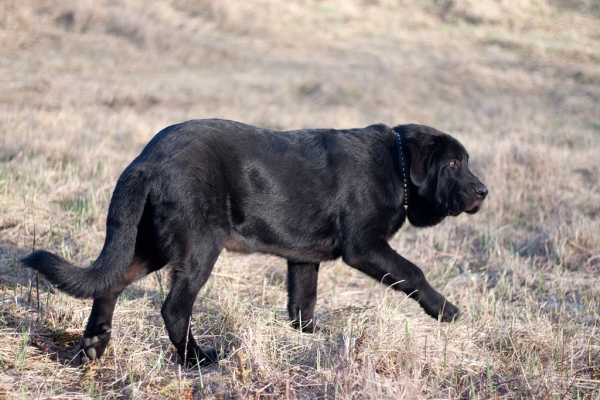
(481, 190)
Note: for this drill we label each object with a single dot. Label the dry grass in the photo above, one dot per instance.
(84, 85)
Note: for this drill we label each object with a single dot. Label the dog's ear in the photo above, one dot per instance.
(421, 146)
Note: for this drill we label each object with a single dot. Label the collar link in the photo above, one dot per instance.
(403, 167)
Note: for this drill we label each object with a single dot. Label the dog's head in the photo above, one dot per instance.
(441, 182)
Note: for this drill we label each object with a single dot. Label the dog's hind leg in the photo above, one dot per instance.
(98, 330)
(302, 291)
(177, 309)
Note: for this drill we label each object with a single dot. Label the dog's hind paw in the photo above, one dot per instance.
(87, 342)
(92, 347)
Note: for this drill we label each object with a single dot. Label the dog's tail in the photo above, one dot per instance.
(124, 215)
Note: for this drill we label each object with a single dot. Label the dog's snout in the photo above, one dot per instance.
(481, 190)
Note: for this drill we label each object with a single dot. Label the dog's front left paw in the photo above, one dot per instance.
(449, 312)
(439, 308)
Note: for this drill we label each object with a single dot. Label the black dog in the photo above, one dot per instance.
(308, 196)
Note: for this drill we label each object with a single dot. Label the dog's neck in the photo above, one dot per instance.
(403, 167)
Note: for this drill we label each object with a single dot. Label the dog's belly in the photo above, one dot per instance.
(239, 244)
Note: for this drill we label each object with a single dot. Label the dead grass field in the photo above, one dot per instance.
(84, 85)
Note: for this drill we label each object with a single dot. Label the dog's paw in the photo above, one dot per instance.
(449, 312)
(93, 345)
(307, 327)
(201, 358)
(208, 357)
(436, 306)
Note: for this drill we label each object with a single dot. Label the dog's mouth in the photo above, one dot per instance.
(476, 207)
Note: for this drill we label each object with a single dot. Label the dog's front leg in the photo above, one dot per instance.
(302, 291)
(381, 262)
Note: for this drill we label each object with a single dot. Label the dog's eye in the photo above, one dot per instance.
(454, 164)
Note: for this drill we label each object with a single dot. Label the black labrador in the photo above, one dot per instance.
(308, 196)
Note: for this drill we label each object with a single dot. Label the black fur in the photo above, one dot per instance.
(307, 195)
